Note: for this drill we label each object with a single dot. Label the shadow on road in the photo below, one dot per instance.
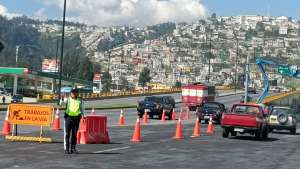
(106, 153)
(285, 132)
(252, 138)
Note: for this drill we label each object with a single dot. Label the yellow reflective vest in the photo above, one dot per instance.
(73, 107)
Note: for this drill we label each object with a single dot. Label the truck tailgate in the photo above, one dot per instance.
(239, 120)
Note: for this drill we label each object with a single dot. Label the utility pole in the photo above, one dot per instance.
(56, 64)
(247, 80)
(15, 89)
(62, 51)
(109, 52)
(235, 74)
(210, 53)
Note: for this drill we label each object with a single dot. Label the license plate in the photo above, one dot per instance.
(206, 117)
(147, 110)
(239, 130)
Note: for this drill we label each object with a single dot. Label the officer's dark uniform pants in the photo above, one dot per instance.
(71, 128)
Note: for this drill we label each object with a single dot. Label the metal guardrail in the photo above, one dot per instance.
(48, 97)
(279, 96)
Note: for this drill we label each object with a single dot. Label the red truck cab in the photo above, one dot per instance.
(246, 118)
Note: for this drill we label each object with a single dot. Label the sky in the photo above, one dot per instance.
(145, 12)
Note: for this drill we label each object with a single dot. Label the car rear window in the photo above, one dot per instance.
(277, 111)
(153, 99)
(245, 110)
(211, 106)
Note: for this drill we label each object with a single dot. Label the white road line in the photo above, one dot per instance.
(109, 150)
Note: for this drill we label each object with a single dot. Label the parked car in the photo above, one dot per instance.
(17, 98)
(283, 118)
(154, 105)
(215, 109)
(246, 118)
(172, 100)
(276, 89)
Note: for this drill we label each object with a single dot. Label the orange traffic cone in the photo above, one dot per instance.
(188, 114)
(145, 117)
(173, 115)
(163, 116)
(178, 134)
(6, 125)
(181, 115)
(56, 123)
(197, 129)
(121, 119)
(136, 137)
(93, 112)
(210, 127)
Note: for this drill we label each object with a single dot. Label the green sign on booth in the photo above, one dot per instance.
(17, 71)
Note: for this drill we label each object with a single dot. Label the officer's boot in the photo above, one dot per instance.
(73, 149)
(67, 150)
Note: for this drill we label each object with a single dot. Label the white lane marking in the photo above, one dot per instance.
(109, 150)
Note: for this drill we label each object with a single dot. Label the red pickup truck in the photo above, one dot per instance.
(246, 118)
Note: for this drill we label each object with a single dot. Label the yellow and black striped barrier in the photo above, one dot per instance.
(28, 139)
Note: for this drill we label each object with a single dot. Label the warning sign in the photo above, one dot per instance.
(29, 114)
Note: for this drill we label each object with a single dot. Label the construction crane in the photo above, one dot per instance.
(284, 69)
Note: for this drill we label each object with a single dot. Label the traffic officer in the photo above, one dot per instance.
(74, 112)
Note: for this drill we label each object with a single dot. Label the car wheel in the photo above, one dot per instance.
(258, 134)
(233, 133)
(159, 117)
(225, 132)
(265, 134)
(170, 116)
(293, 131)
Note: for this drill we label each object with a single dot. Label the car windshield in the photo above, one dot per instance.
(211, 106)
(277, 111)
(243, 109)
(16, 97)
(153, 99)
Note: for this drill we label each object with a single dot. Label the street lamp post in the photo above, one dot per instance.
(62, 51)
(235, 73)
(15, 88)
(210, 53)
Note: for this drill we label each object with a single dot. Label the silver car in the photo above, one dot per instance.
(283, 118)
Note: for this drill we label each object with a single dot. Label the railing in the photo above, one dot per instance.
(48, 97)
(270, 99)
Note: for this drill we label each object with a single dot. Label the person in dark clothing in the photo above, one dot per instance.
(73, 114)
(3, 99)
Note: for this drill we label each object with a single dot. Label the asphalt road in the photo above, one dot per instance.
(158, 149)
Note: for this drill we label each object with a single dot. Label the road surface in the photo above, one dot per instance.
(158, 149)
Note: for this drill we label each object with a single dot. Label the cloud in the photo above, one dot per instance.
(40, 14)
(4, 12)
(132, 12)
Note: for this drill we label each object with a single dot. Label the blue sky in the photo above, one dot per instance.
(51, 8)
(262, 7)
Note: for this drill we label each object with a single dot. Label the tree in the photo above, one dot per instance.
(178, 84)
(124, 84)
(107, 81)
(144, 77)
(85, 69)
